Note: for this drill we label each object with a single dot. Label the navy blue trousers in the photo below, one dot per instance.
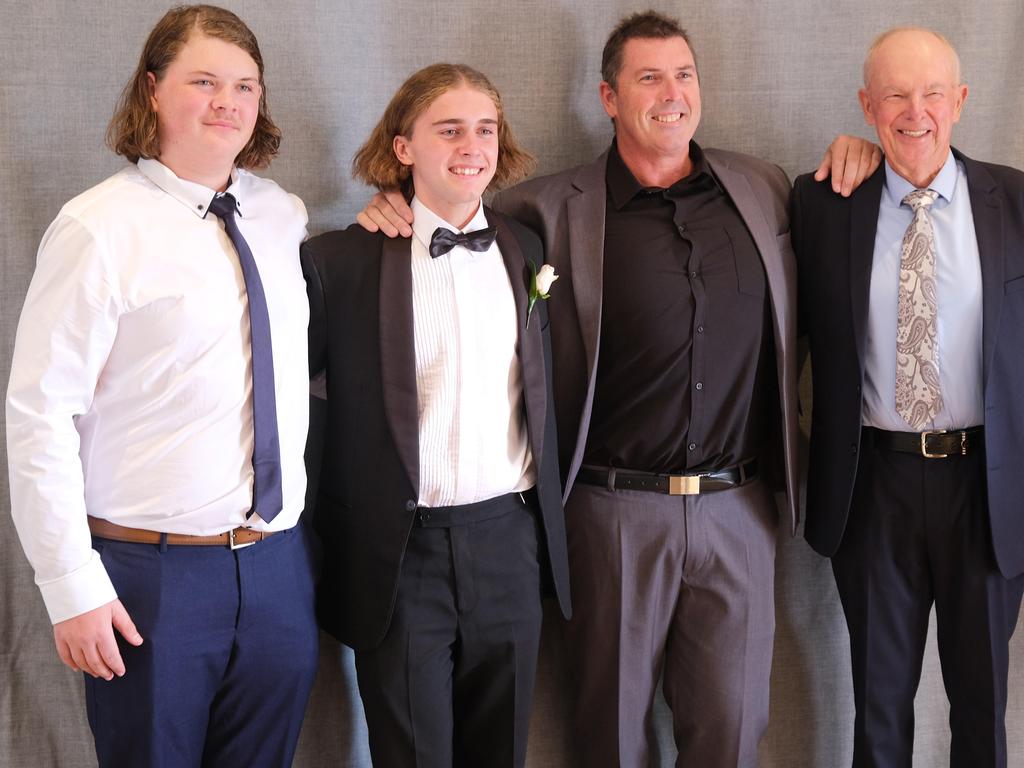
(228, 658)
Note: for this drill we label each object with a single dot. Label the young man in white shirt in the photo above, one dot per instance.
(157, 414)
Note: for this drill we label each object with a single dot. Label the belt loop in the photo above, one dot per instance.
(163, 542)
(611, 478)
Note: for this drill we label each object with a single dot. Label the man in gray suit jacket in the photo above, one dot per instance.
(674, 334)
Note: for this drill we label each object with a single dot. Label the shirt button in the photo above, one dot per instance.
(692, 446)
(699, 385)
(682, 228)
(693, 274)
(410, 505)
(700, 329)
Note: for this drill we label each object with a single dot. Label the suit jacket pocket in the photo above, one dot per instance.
(1014, 285)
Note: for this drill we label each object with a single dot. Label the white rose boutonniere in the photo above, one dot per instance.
(540, 286)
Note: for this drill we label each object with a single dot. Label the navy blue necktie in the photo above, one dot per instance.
(266, 456)
(443, 240)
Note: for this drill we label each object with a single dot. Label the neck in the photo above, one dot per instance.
(215, 176)
(655, 170)
(457, 214)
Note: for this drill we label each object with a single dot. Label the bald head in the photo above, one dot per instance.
(902, 37)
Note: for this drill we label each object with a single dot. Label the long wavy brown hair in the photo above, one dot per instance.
(133, 128)
(376, 163)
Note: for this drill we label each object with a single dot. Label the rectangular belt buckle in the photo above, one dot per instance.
(233, 544)
(683, 485)
(924, 444)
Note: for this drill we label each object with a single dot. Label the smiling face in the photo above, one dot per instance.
(453, 152)
(912, 95)
(655, 102)
(206, 105)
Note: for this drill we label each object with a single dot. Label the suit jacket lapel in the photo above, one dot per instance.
(531, 351)
(398, 354)
(988, 230)
(742, 196)
(863, 226)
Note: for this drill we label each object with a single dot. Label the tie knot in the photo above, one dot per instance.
(223, 204)
(443, 240)
(921, 198)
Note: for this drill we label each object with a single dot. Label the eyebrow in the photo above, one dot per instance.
(684, 68)
(460, 121)
(204, 73)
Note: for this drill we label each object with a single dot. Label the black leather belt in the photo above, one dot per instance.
(936, 444)
(674, 485)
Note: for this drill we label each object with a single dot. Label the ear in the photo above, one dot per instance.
(402, 150)
(151, 82)
(961, 97)
(609, 99)
(865, 104)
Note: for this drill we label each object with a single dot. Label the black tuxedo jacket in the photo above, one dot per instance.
(834, 240)
(361, 335)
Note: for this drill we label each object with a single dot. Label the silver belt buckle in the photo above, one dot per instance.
(683, 485)
(233, 545)
(924, 444)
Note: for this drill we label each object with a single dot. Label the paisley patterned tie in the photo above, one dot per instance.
(918, 394)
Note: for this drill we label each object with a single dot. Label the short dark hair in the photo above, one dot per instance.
(646, 25)
(133, 129)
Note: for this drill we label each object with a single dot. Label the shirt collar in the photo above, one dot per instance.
(944, 183)
(195, 197)
(623, 185)
(425, 221)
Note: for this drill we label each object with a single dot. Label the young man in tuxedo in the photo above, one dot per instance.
(439, 501)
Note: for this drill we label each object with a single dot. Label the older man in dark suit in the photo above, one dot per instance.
(910, 291)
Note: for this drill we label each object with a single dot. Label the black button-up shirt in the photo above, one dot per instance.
(686, 341)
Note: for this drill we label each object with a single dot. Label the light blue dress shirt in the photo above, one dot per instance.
(958, 284)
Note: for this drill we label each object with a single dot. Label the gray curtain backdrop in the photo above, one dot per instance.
(779, 80)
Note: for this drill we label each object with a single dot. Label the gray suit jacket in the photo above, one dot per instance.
(567, 210)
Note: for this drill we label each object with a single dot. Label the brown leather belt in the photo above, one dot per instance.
(936, 444)
(235, 538)
(673, 485)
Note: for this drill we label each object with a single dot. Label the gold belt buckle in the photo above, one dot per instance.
(683, 485)
(234, 545)
(924, 444)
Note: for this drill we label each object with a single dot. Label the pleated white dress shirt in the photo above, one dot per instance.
(472, 424)
(130, 395)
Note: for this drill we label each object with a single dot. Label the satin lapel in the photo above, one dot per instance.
(586, 215)
(863, 226)
(398, 354)
(531, 350)
(988, 231)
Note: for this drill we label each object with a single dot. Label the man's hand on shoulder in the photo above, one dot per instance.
(86, 642)
(387, 212)
(850, 159)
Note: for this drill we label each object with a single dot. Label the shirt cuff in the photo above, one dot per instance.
(80, 591)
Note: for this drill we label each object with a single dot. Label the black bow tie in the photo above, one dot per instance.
(443, 240)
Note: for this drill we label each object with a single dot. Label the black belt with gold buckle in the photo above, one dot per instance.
(934, 444)
(673, 485)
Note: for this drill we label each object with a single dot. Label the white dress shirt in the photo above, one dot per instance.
(472, 426)
(130, 396)
(958, 301)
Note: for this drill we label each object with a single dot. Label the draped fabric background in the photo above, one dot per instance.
(779, 80)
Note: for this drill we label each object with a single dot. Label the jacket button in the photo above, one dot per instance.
(853, 447)
(410, 505)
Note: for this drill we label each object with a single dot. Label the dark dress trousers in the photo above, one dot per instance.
(380, 549)
(904, 530)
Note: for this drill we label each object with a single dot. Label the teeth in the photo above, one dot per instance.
(465, 171)
(667, 118)
(914, 134)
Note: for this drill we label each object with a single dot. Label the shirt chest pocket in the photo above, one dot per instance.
(727, 253)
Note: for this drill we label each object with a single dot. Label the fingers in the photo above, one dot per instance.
(123, 623)
(367, 223)
(86, 642)
(821, 173)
